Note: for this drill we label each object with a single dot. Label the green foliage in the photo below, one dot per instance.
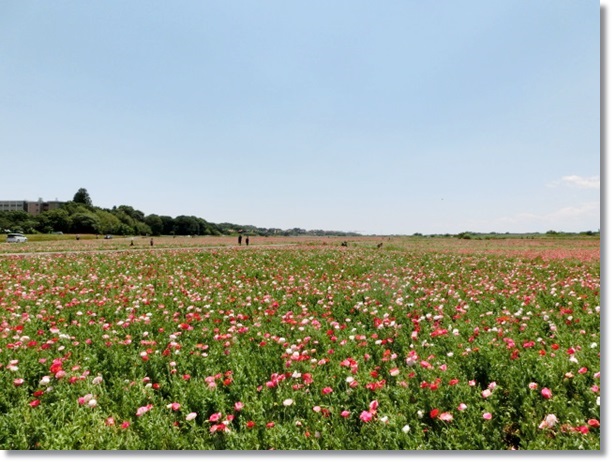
(108, 222)
(57, 220)
(82, 197)
(159, 326)
(85, 222)
(155, 223)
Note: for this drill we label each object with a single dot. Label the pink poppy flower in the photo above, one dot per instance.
(18, 382)
(143, 410)
(366, 416)
(345, 414)
(486, 393)
(462, 407)
(546, 393)
(327, 390)
(549, 421)
(218, 428)
(34, 403)
(239, 406)
(215, 417)
(191, 416)
(174, 406)
(84, 399)
(125, 424)
(487, 416)
(446, 417)
(533, 386)
(109, 422)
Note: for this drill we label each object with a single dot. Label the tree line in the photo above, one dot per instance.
(82, 217)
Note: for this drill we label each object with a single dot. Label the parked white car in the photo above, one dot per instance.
(16, 237)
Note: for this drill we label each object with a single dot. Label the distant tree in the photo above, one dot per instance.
(186, 226)
(42, 224)
(82, 197)
(108, 223)
(86, 223)
(155, 223)
(132, 212)
(207, 229)
(124, 230)
(58, 219)
(168, 225)
(125, 219)
(13, 220)
(142, 229)
(29, 226)
(228, 228)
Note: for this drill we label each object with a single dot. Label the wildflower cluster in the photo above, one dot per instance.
(307, 347)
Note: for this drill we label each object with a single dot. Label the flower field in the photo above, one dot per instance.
(423, 344)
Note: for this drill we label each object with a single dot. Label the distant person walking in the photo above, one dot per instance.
(78, 238)
(239, 239)
(151, 242)
(247, 240)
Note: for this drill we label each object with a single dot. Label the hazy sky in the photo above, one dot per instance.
(389, 117)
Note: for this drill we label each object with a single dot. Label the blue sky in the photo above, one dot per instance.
(388, 117)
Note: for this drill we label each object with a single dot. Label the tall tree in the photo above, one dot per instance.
(155, 223)
(168, 225)
(186, 225)
(132, 212)
(58, 219)
(82, 197)
(86, 223)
